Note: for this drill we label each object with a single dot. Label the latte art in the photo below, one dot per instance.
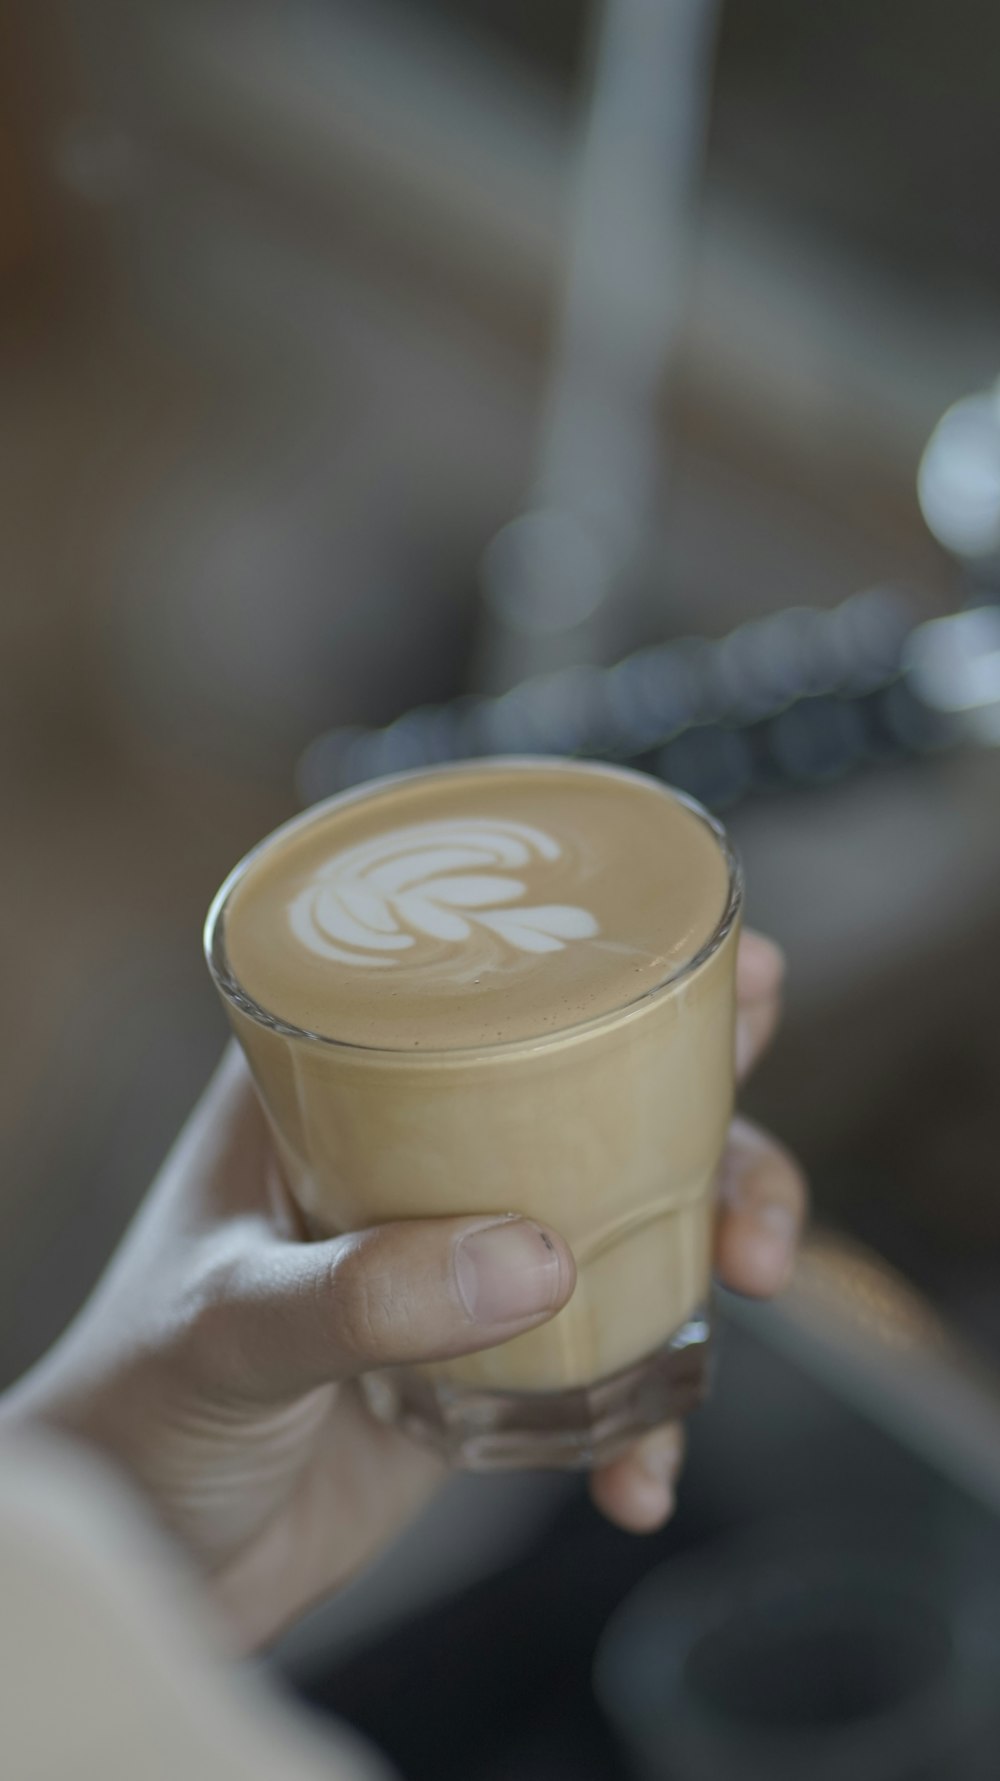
(494, 902)
(450, 882)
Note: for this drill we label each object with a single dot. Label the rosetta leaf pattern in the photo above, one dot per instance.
(440, 883)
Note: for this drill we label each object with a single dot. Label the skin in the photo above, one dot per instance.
(218, 1361)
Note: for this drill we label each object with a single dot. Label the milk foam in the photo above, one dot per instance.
(421, 896)
(490, 902)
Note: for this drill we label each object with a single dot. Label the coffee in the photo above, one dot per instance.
(506, 986)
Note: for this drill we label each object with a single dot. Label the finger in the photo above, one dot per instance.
(221, 1161)
(636, 1491)
(285, 1317)
(760, 970)
(762, 1208)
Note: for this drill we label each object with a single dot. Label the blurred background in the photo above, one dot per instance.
(390, 382)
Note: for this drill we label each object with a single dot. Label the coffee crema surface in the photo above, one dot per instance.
(489, 904)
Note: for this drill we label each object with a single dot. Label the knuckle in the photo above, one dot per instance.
(206, 1346)
(204, 1331)
(364, 1302)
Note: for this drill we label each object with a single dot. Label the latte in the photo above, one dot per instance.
(504, 987)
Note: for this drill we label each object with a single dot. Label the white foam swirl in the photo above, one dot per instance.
(367, 904)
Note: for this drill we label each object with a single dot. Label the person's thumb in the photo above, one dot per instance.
(291, 1316)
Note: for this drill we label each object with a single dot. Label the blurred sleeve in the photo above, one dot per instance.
(110, 1666)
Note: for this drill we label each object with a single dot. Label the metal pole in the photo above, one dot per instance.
(556, 581)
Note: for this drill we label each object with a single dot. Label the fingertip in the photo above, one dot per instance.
(510, 1268)
(648, 1507)
(636, 1503)
(636, 1492)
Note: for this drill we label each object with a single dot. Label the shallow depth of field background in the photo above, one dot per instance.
(280, 284)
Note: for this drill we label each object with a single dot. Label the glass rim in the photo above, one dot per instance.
(233, 992)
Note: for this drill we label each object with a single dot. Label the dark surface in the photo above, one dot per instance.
(497, 1684)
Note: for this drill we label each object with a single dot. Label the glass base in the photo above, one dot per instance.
(489, 1431)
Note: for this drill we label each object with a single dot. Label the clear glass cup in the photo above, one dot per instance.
(610, 1130)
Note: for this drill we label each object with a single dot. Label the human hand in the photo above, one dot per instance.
(218, 1361)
